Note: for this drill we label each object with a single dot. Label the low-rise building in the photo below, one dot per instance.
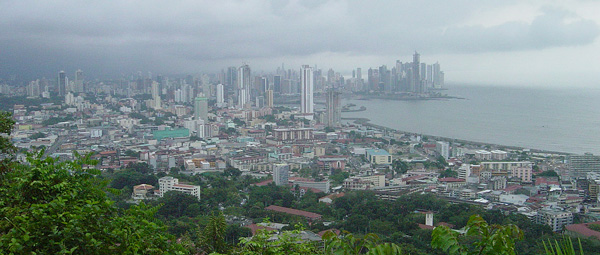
(168, 183)
(378, 156)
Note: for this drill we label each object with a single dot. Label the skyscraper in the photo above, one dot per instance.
(79, 81)
(438, 80)
(243, 82)
(220, 95)
(281, 174)
(269, 98)
(201, 108)
(306, 85)
(334, 109)
(62, 83)
(415, 84)
(156, 101)
(277, 83)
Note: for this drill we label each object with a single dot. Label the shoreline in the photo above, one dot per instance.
(367, 122)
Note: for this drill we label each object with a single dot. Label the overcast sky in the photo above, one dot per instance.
(538, 43)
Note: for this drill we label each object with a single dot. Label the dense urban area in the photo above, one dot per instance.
(236, 160)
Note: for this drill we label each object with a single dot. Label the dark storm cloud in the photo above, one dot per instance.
(114, 37)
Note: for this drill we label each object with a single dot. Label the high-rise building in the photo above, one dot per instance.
(33, 89)
(437, 82)
(281, 174)
(243, 82)
(415, 84)
(334, 108)
(306, 85)
(429, 75)
(220, 95)
(277, 83)
(231, 78)
(443, 148)
(201, 108)
(62, 83)
(79, 87)
(269, 98)
(156, 101)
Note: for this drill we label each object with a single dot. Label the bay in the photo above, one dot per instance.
(555, 119)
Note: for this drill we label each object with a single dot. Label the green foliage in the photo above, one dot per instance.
(130, 178)
(448, 173)
(56, 120)
(595, 227)
(49, 207)
(486, 239)
(265, 242)
(564, 247)
(37, 135)
(549, 173)
(7, 149)
(347, 244)
(212, 238)
(177, 204)
(131, 153)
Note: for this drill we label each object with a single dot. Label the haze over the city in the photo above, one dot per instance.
(531, 43)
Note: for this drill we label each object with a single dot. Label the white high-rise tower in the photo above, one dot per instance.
(306, 85)
(220, 95)
(243, 81)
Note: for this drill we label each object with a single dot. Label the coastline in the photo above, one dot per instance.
(367, 122)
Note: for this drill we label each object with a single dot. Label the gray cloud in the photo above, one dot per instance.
(114, 37)
(547, 30)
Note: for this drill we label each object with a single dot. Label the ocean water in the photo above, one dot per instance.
(555, 119)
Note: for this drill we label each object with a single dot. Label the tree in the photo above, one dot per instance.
(37, 135)
(549, 173)
(7, 149)
(448, 173)
(176, 204)
(488, 239)
(47, 207)
(212, 238)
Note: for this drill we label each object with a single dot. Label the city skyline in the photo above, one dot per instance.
(502, 43)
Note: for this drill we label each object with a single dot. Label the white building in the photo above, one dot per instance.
(555, 219)
(464, 171)
(168, 183)
(483, 155)
(281, 174)
(243, 82)
(443, 148)
(499, 155)
(306, 85)
(220, 95)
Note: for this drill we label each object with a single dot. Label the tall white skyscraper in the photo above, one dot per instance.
(243, 81)
(281, 174)
(306, 85)
(220, 95)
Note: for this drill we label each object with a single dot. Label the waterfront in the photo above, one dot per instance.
(564, 120)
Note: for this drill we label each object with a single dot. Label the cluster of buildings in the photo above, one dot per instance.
(236, 119)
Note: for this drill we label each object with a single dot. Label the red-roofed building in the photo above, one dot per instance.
(308, 215)
(452, 182)
(583, 230)
(329, 198)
